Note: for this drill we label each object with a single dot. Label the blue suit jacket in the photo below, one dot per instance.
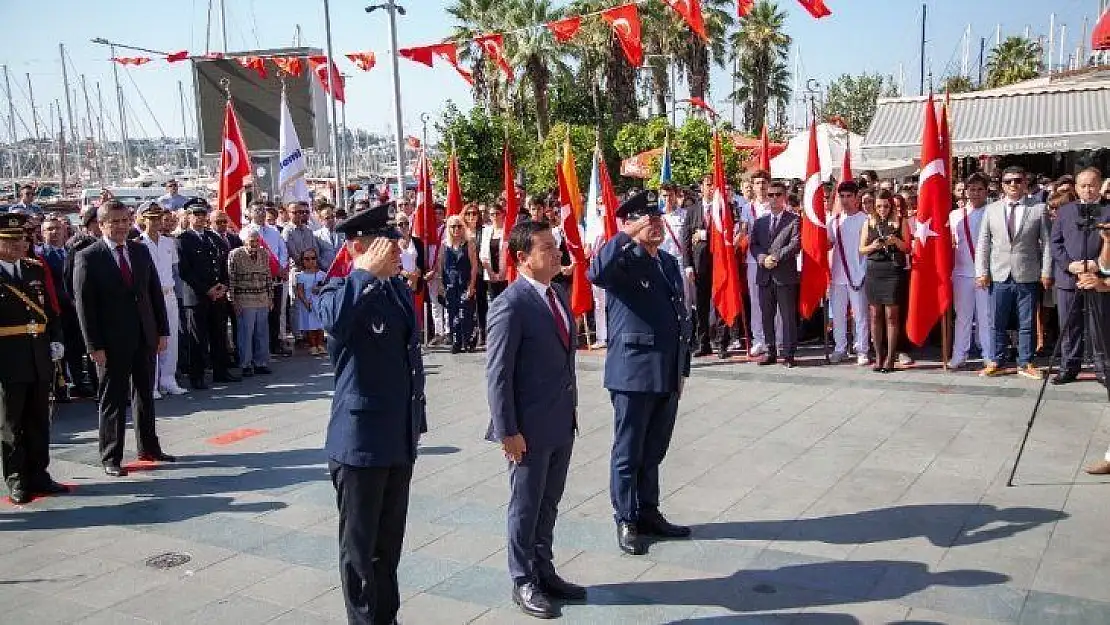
(378, 411)
(530, 381)
(1067, 241)
(648, 327)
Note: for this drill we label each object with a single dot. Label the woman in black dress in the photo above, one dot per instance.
(884, 241)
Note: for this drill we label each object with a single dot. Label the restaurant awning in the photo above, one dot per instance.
(1031, 119)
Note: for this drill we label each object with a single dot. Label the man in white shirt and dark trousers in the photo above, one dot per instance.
(848, 271)
(163, 251)
(972, 302)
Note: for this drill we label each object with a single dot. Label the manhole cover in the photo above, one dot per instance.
(765, 589)
(168, 560)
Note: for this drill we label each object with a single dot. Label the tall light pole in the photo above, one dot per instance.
(333, 82)
(392, 8)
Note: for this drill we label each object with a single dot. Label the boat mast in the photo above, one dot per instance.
(92, 134)
(184, 126)
(69, 115)
(11, 129)
(34, 110)
(61, 144)
(122, 116)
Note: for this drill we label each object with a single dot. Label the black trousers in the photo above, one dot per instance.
(82, 372)
(642, 429)
(373, 506)
(481, 299)
(206, 327)
(703, 303)
(127, 374)
(25, 432)
(536, 486)
(783, 299)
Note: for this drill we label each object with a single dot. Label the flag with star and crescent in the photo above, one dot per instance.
(931, 268)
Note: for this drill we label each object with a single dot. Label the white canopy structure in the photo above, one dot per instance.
(831, 143)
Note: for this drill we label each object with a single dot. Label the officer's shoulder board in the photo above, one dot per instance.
(32, 261)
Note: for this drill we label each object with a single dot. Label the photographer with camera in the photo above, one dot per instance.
(1075, 242)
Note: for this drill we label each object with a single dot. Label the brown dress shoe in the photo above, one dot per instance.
(1102, 467)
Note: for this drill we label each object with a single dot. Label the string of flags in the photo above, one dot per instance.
(623, 20)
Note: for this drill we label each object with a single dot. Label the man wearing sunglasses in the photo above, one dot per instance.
(1013, 260)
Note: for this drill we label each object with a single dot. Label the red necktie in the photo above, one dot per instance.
(124, 267)
(560, 323)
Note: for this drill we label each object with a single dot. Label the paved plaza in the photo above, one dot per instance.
(820, 496)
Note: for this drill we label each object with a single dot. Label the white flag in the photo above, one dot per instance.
(291, 163)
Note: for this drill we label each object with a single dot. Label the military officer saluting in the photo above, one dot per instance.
(30, 340)
(377, 412)
(646, 365)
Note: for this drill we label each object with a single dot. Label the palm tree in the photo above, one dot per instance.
(763, 49)
(1014, 60)
(696, 55)
(600, 57)
(478, 17)
(536, 51)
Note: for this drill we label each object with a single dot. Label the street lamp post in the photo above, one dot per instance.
(392, 8)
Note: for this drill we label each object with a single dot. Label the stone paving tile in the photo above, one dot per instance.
(440, 610)
(300, 617)
(240, 571)
(294, 586)
(172, 600)
(111, 617)
(235, 609)
(47, 610)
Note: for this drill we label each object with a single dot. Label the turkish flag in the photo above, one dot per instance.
(424, 226)
(816, 8)
(291, 65)
(450, 53)
(341, 266)
(726, 276)
(512, 208)
(494, 47)
(846, 167)
(581, 294)
(702, 104)
(235, 166)
(743, 7)
(454, 191)
(253, 62)
(931, 269)
(566, 28)
(945, 139)
(690, 10)
(815, 234)
(321, 66)
(625, 21)
(174, 57)
(131, 60)
(765, 150)
(364, 60)
(419, 54)
(609, 201)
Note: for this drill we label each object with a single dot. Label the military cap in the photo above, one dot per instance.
(377, 221)
(152, 210)
(197, 205)
(12, 225)
(642, 204)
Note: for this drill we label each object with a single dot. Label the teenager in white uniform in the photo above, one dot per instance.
(848, 269)
(972, 302)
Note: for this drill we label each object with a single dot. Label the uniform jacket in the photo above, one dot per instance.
(114, 316)
(783, 243)
(1070, 243)
(378, 410)
(1027, 258)
(201, 263)
(26, 358)
(649, 329)
(530, 381)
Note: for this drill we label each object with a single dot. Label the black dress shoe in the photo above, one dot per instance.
(248, 372)
(789, 362)
(226, 377)
(559, 588)
(263, 370)
(19, 495)
(49, 487)
(199, 385)
(1065, 377)
(158, 457)
(722, 352)
(628, 539)
(654, 524)
(115, 470)
(533, 601)
(705, 351)
(767, 360)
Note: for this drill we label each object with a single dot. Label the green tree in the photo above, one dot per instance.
(957, 84)
(691, 148)
(540, 168)
(536, 51)
(762, 47)
(854, 98)
(474, 18)
(478, 138)
(1014, 60)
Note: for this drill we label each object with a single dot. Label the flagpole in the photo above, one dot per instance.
(333, 82)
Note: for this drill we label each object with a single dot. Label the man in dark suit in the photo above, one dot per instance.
(202, 264)
(377, 412)
(533, 397)
(699, 267)
(775, 243)
(646, 365)
(81, 368)
(1075, 245)
(123, 320)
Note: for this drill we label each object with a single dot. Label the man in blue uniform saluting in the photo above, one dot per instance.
(377, 412)
(645, 368)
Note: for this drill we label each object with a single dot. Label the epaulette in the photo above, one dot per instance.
(32, 261)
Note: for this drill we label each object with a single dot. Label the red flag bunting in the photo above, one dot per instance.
(214, 56)
(743, 7)
(131, 60)
(454, 190)
(512, 208)
(566, 28)
(364, 60)
(702, 104)
(816, 8)
(765, 150)
(320, 66)
(253, 62)
(174, 57)
(625, 21)
(419, 54)
(815, 234)
(690, 10)
(931, 269)
(450, 52)
(494, 47)
(235, 166)
(291, 65)
(726, 275)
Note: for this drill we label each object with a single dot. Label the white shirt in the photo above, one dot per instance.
(112, 245)
(674, 228)
(9, 268)
(272, 237)
(748, 214)
(408, 257)
(847, 229)
(542, 290)
(164, 254)
(964, 262)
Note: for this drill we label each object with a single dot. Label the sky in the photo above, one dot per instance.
(860, 36)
